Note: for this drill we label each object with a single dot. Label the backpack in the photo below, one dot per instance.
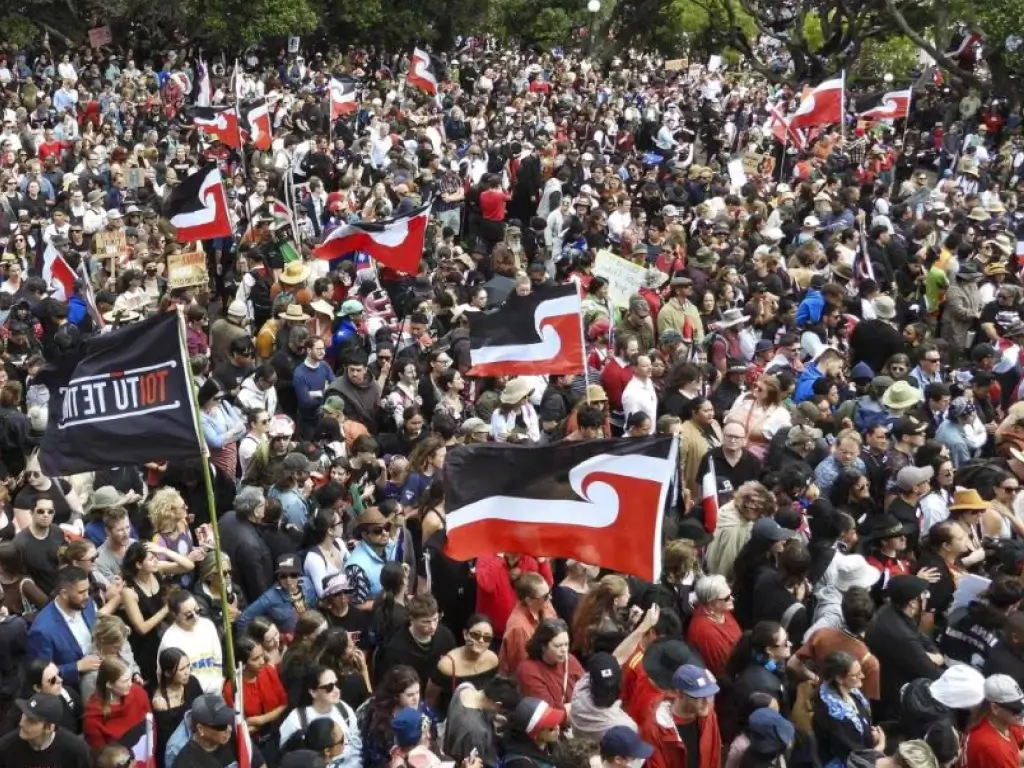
(298, 739)
(259, 295)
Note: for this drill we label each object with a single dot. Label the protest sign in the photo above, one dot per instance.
(624, 277)
(187, 270)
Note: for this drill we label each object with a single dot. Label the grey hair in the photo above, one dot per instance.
(709, 588)
(247, 500)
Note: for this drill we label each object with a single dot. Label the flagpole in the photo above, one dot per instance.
(241, 151)
(586, 377)
(842, 107)
(229, 643)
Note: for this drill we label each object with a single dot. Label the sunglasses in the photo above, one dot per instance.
(189, 616)
(43, 511)
(284, 576)
(327, 687)
(377, 530)
(92, 559)
(480, 637)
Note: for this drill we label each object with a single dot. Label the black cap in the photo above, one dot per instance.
(42, 706)
(903, 589)
(605, 679)
(211, 709)
(664, 656)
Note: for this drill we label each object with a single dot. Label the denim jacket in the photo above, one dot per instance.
(277, 606)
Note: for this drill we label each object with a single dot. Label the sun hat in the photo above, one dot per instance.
(968, 500)
(886, 525)
(801, 434)
(516, 390)
(474, 426)
(732, 317)
(901, 395)
(295, 272)
(959, 687)
(105, 497)
(884, 306)
(294, 312)
(237, 309)
(322, 306)
(371, 516)
(854, 571)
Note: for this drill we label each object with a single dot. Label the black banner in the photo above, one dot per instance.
(123, 399)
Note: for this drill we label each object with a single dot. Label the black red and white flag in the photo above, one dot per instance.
(143, 747)
(344, 100)
(254, 120)
(539, 334)
(892, 105)
(58, 274)
(219, 123)
(424, 73)
(122, 398)
(198, 207)
(601, 502)
(395, 242)
(243, 741)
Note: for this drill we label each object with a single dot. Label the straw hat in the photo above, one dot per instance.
(323, 307)
(515, 391)
(294, 312)
(120, 316)
(295, 272)
(978, 214)
(968, 500)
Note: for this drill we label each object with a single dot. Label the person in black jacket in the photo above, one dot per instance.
(240, 540)
(1007, 658)
(875, 341)
(904, 653)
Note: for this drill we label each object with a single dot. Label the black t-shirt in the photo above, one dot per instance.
(194, 756)
(26, 499)
(1002, 316)
(65, 751)
(40, 556)
(231, 376)
(690, 734)
(355, 622)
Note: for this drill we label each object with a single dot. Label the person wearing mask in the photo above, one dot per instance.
(620, 747)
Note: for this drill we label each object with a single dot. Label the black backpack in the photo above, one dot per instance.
(259, 295)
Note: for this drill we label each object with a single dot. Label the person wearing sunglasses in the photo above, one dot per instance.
(212, 739)
(372, 552)
(284, 602)
(197, 636)
(321, 697)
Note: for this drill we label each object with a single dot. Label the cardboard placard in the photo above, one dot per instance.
(674, 65)
(110, 244)
(737, 176)
(187, 270)
(752, 162)
(624, 277)
(293, 44)
(100, 36)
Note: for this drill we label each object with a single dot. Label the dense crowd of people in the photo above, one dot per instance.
(838, 339)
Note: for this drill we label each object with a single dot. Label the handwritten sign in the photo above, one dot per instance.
(186, 270)
(624, 277)
(100, 36)
(674, 65)
(752, 162)
(110, 244)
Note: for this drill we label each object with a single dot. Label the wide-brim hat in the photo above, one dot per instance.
(978, 214)
(295, 272)
(294, 312)
(968, 500)
(322, 306)
(515, 391)
(732, 317)
(901, 395)
(121, 316)
(664, 657)
(854, 571)
(883, 526)
(371, 516)
(969, 271)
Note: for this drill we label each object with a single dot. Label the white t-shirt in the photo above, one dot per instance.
(343, 715)
(203, 647)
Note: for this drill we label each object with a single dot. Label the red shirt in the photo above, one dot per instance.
(713, 641)
(614, 378)
(495, 595)
(260, 696)
(121, 723)
(492, 204)
(986, 747)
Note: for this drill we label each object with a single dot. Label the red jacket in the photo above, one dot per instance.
(614, 378)
(125, 723)
(658, 728)
(495, 595)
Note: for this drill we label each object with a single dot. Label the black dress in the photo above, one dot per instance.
(168, 720)
(145, 647)
(448, 684)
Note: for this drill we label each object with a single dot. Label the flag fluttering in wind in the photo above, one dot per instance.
(343, 96)
(396, 242)
(119, 399)
(198, 206)
(219, 123)
(709, 497)
(600, 502)
(254, 120)
(58, 274)
(891, 106)
(539, 334)
(424, 73)
(822, 105)
(242, 738)
(778, 125)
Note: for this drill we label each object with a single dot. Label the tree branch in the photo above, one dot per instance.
(940, 58)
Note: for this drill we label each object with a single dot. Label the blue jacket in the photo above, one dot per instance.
(51, 639)
(810, 308)
(306, 380)
(805, 386)
(78, 311)
(346, 330)
(277, 606)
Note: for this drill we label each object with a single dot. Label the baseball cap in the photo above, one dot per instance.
(909, 478)
(769, 731)
(337, 584)
(903, 589)
(296, 462)
(534, 715)
(42, 706)
(696, 682)
(605, 679)
(767, 528)
(622, 741)
(474, 426)
(407, 725)
(287, 564)
(334, 404)
(1004, 691)
(211, 709)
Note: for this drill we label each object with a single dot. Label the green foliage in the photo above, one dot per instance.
(19, 32)
(896, 55)
(238, 24)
